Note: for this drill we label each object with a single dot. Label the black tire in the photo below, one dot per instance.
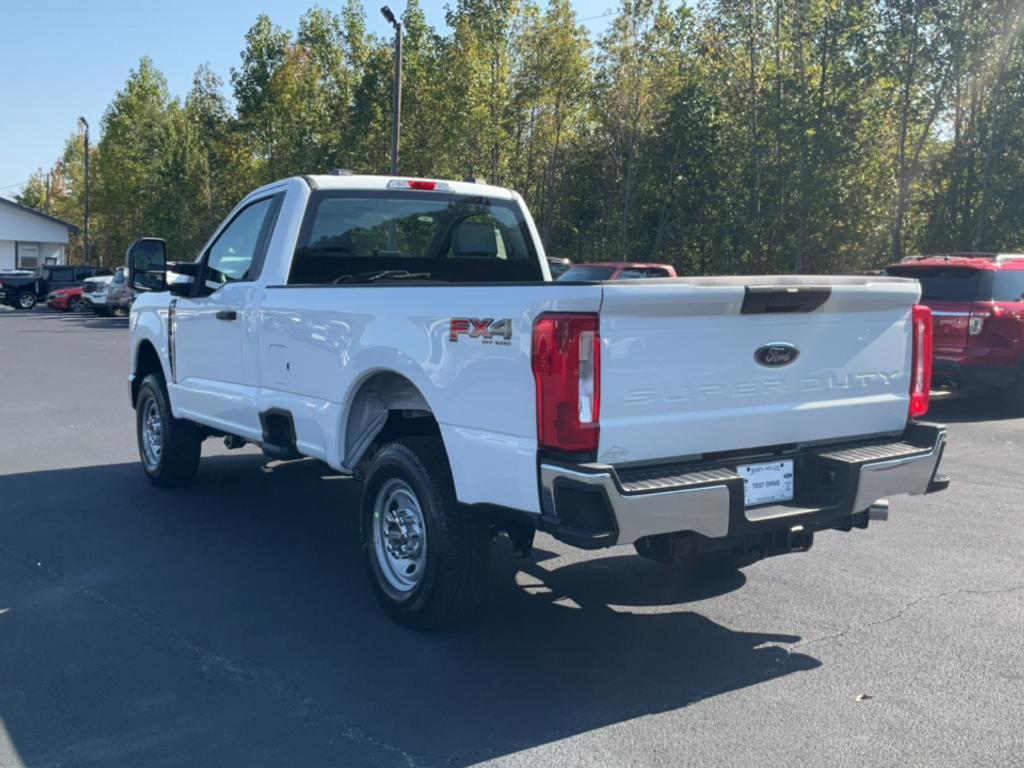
(76, 305)
(101, 311)
(176, 462)
(25, 300)
(1013, 398)
(452, 579)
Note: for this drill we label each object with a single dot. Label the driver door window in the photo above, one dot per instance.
(230, 258)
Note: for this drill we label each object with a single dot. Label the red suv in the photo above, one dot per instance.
(977, 302)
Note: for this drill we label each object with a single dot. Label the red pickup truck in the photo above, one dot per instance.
(977, 303)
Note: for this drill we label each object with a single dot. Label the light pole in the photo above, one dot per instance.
(396, 111)
(85, 124)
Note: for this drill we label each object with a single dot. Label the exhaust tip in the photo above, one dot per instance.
(938, 483)
(879, 510)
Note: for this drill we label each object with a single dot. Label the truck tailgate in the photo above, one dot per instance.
(680, 378)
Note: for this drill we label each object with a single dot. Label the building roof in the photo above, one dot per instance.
(71, 227)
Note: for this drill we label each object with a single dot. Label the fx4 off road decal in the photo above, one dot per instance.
(490, 331)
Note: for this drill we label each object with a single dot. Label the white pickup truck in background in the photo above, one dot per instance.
(407, 331)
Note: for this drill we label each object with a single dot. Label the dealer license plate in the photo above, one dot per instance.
(768, 482)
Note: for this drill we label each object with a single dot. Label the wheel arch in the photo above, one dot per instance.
(385, 405)
(146, 361)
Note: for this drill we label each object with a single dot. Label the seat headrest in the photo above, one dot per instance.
(475, 240)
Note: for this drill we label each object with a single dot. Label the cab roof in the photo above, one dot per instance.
(975, 260)
(351, 181)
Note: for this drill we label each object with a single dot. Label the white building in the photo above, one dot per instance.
(30, 239)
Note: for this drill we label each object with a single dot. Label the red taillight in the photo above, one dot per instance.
(567, 370)
(921, 361)
(424, 185)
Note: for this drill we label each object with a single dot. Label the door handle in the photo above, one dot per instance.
(227, 314)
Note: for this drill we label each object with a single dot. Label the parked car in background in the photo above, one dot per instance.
(25, 291)
(94, 291)
(558, 266)
(66, 300)
(977, 302)
(620, 270)
(120, 294)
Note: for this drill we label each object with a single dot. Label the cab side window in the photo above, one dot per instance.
(62, 275)
(230, 258)
(1009, 285)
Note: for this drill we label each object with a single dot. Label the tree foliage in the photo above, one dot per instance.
(723, 136)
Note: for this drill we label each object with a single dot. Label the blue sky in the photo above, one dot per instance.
(65, 59)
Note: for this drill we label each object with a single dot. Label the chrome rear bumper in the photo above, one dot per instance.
(594, 505)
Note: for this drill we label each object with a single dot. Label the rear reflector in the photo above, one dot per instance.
(567, 371)
(419, 184)
(921, 361)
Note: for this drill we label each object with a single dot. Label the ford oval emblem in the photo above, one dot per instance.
(776, 354)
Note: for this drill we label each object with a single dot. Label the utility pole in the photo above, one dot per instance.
(85, 124)
(47, 203)
(396, 110)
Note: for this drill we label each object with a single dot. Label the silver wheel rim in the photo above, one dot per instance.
(152, 433)
(76, 305)
(399, 535)
(26, 301)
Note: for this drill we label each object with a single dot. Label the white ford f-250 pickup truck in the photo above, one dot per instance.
(407, 332)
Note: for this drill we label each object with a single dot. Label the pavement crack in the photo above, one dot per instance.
(903, 610)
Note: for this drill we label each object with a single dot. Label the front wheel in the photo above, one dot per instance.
(25, 300)
(428, 558)
(169, 448)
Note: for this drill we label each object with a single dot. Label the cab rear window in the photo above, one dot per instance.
(450, 238)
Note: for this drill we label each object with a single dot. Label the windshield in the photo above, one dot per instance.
(948, 283)
(445, 237)
(587, 273)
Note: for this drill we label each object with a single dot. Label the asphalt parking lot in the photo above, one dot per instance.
(230, 624)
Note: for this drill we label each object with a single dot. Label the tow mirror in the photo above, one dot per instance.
(147, 264)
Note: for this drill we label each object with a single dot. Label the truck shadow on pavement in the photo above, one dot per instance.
(231, 622)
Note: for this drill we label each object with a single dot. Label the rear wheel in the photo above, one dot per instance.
(25, 300)
(428, 558)
(77, 304)
(168, 447)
